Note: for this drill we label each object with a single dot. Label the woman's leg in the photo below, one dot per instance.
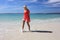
(23, 25)
(28, 25)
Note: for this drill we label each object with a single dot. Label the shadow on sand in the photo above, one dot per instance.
(40, 31)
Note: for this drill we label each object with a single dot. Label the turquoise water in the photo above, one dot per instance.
(18, 17)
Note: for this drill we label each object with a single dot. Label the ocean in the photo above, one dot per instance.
(16, 17)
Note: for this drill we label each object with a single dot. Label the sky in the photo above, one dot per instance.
(35, 6)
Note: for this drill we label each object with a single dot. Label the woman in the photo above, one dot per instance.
(26, 18)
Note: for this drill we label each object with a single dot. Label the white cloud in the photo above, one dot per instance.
(10, 0)
(51, 1)
(34, 0)
(28, 0)
(2, 7)
(10, 8)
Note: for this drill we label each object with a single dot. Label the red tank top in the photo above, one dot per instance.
(26, 15)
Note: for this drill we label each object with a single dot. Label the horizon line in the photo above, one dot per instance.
(30, 13)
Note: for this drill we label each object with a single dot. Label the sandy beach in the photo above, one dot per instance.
(40, 30)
